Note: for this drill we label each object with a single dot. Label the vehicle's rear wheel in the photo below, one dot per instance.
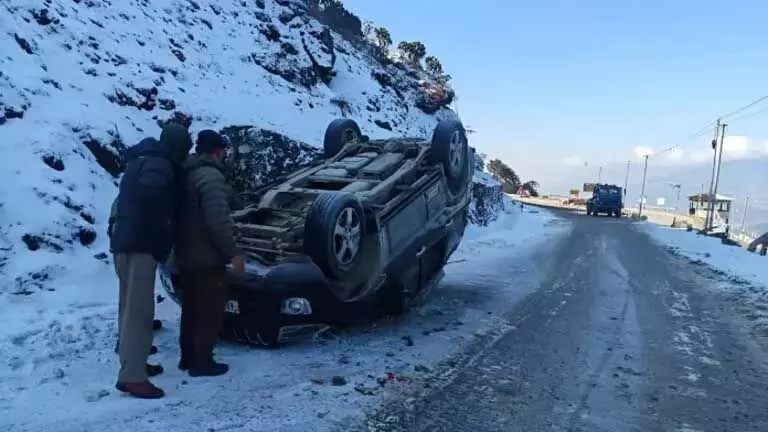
(338, 133)
(334, 235)
(450, 148)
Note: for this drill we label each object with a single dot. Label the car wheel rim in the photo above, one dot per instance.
(346, 236)
(454, 152)
(349, 135)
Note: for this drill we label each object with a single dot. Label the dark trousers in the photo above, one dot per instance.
(203, 299)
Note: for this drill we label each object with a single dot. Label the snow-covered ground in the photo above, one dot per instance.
(736, 261)
(59, 367)
(741, 275)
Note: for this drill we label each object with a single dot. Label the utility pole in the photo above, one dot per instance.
(642, 190)
(599, 174)
(626, 182)
(717, 176)
(710, 203)
(744, 215)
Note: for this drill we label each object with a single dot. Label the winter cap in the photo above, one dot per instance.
(209, 141)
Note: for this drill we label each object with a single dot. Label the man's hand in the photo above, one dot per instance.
(238, 262)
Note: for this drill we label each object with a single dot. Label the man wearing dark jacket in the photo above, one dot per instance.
(141, 237)
(204, 247)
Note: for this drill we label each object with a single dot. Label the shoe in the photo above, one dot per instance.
(157, 325)
(142, 390)
(208, 368)
(154, 370)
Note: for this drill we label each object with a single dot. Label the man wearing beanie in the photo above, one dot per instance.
(205, 245)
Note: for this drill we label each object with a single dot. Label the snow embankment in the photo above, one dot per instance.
(59, 367)
(733, 260)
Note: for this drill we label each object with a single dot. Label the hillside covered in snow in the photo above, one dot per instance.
(80, 80)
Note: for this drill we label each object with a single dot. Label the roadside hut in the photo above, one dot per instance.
(698, 205)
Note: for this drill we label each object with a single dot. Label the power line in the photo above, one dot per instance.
(704, 130)
(749, 105)
(748, 115)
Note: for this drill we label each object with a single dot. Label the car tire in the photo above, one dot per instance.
(338, 133)
(451, 150)
(334, 235)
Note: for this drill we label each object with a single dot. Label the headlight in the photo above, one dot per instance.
(296, 306)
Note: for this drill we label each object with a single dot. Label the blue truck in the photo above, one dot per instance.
(606, 199)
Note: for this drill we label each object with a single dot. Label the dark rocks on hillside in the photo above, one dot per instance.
(9, 113)
(167, 104)
(108, 154)
(42, 17)
(334, 15)
(179, 55)
(261, 16)
(35, 242)
(54, 162)
(343, 105)
(270, 32)
(145, 98)
(178, 117)
(52, 82)
(322, 63)
(288, 48)
(86, 236)
(287, 16)
(194, 6)
(260, 156)
(428, 104)
(487, 202)
(384, 79)
(383, 124)
(24, 44)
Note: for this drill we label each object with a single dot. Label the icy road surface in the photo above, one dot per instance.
(58, 366)
(623, 333)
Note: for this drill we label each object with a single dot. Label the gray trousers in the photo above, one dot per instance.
(136, 312)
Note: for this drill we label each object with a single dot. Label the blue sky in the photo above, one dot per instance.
(548, 82)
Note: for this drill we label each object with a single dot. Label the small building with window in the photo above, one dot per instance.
(698, 205)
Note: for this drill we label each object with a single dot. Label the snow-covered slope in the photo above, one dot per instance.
(81, 79)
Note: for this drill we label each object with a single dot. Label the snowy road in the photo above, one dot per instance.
(620, 335)
(57, 366)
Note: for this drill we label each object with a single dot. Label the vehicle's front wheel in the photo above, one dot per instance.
(450, 148)
(335, 235)
(338, 133)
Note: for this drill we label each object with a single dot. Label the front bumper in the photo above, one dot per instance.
(271, 305)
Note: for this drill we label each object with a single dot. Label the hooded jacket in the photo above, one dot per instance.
(205, 236)
(146, 205)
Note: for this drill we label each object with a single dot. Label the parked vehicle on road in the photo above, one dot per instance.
(606, 199)
(362, 232)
